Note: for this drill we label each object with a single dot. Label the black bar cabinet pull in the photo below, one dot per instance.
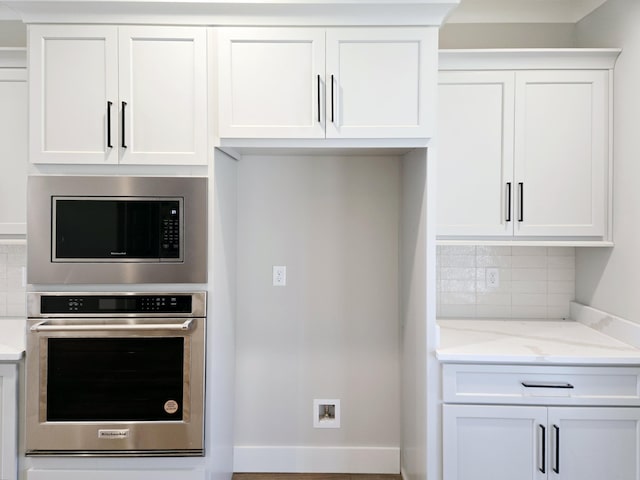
(521, 213)
(508, 214)
(546, 385)
(332, 117)
(556, 467)
(319, 99)
(109, 145)
(543, 448)
(124, 143)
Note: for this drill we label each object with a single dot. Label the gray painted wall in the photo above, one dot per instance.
(608, 278)
(13, 33)
(494, 35)
(333, 331)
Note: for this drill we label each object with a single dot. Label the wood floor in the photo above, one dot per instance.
(312, 476)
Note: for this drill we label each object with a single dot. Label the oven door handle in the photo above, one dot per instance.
(127, 327)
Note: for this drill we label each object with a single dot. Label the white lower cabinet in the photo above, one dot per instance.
(8, 422)
(540, 422)
(499, 442)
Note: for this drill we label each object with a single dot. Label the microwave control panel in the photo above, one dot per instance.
(170, 230)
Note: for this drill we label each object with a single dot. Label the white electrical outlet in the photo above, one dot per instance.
(492, 277)
(279, 276)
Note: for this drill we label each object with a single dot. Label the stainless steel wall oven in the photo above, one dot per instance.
(115, 373)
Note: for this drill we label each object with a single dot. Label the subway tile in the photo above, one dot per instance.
(457, 250)
(528, 274)
(561, 251)
(457, 261)
(457, 273)
(559, 312)
(493, 311)
(500, 261)
(533, 286)
(458, 298)
(529, 311)
(562, 274)
(464, 286)
(493, 299)
(529, 261)
(559, 299)
(529, 299)
(504, 287)
(16, 309)
(457, 311)
(529, 251)
(17, 259)
(561, 262)
(488, 250)
(14, 279)
(566, 287)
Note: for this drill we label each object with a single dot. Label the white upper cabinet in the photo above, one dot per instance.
(561, 152)
(475, 154)
(73, 76)
(271, 82)
(13, 143)
(326, 83)
(105, 94)
(524, 152)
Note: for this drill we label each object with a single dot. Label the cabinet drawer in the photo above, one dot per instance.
(537, 384)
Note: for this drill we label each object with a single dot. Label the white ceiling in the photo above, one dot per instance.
(523, 11)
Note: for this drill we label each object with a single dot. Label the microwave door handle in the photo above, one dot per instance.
(44, 327)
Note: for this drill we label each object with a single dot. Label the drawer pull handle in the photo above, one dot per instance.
(556, 467)
(546, 385)
(543, 448)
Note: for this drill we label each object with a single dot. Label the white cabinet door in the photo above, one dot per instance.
(494, 442)
(594, 443)
(13, 151)
(8, 422)
(561, 152)
(475, 153)
(73, 75)
(163, 95)
(378, 82)
(271, 82)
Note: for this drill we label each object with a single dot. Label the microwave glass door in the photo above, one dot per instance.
(115, 379)
(116, 229)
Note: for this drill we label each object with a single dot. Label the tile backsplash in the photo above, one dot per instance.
(13, 260)
(534, 282)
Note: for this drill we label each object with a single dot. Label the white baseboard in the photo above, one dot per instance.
(317, 459)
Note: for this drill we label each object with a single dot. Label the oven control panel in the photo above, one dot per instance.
(109, 304)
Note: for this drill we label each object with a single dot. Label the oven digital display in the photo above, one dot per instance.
(107, 304)
(126, 304)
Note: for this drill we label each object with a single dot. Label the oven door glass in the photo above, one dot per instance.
(115, 379)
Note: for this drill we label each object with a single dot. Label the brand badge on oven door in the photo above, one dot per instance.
(171, 406)
(113, 434)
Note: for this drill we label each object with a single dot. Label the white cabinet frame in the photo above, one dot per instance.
(8, 422)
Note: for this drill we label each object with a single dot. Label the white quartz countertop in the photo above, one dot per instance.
(12, 339)
(530, 341)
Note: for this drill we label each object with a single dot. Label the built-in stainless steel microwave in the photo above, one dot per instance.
(105, 229)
